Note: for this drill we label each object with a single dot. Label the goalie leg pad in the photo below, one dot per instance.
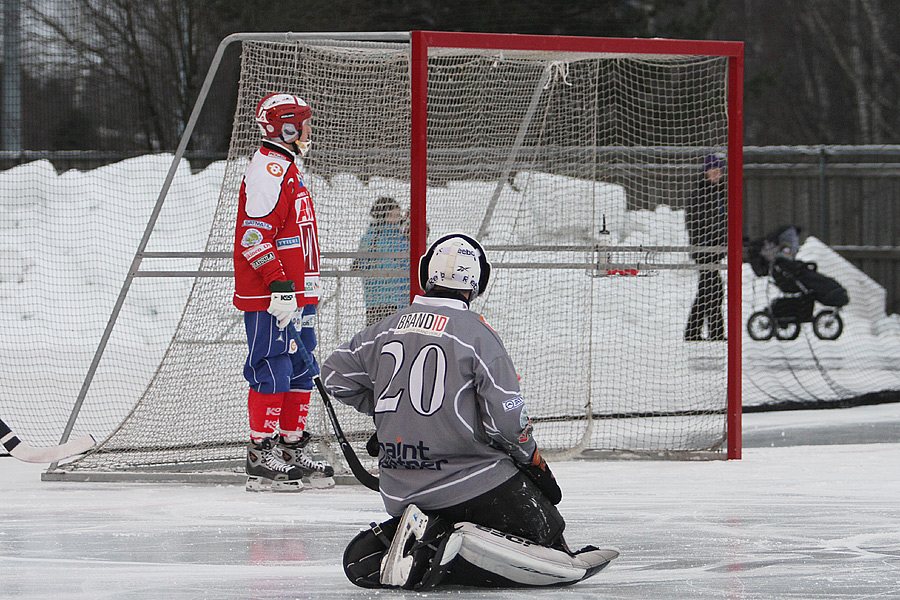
(521, 562)
(362, 558)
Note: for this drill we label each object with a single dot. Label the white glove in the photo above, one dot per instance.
(283, 303)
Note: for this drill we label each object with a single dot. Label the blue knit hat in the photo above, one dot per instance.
(713, 161)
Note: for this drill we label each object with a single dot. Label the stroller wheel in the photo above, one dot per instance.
(785, 331)
(761, 325)
(828, 325)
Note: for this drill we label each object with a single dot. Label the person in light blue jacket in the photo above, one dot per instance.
(386, 291)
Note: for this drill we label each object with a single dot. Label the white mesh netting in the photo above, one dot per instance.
(573, 169)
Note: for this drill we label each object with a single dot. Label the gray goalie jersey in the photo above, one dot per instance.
(445, 398)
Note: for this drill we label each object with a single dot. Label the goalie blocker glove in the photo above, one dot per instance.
(283, 304)
(539, 473)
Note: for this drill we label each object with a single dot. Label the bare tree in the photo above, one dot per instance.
(818, 71)
(138, 63)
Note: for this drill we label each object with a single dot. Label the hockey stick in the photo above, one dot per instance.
(19, 449)
(360, 472)
(356, 467)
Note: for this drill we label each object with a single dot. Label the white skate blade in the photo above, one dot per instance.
(318, 483)
(261, 484)
(396, 564)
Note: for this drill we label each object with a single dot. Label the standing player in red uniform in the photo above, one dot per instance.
(276, 274)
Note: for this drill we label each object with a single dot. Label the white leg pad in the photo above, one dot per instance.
(525, 562)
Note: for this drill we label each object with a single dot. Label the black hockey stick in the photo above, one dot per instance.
(19, 449)
(359, 471)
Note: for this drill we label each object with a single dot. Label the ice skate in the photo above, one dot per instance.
(267, 472)
(316, 473)
(420, 552)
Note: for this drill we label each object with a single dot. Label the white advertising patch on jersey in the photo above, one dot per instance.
(311, 286)
(255, 223)
(263, 184)
(513, 404)
(251, 238)
(265, 258)
(255, 250)
(290, 242)
(422, 322)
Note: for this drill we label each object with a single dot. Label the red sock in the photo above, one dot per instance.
(294, 410)
(264, 410)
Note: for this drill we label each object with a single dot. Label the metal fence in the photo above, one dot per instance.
(847, 196)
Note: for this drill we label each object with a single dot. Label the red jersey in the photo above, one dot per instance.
(276, 238)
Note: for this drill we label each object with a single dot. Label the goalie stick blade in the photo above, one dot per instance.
(22, 451)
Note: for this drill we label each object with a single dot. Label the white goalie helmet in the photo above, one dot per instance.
(455, 261)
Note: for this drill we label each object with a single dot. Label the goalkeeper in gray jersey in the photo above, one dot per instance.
(472, 500)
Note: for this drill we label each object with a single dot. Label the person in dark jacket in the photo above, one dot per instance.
(706, 219)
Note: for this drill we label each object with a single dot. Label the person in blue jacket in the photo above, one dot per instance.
(384, 294)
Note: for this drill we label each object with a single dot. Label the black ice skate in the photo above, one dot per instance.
(316, 473)
(267, 472)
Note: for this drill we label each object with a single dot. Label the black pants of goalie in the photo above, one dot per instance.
(516, 507)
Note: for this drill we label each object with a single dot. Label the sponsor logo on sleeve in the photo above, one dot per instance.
(256, 264)
(422, 322)
(251, 238)
(275, 169)
(525, 424)
(288, 242)
(513, 404)
(255, 223)
(254, 251)
(311, 286)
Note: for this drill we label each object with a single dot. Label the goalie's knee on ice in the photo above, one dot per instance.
(362, 557)
(414, 560)
(402, 552)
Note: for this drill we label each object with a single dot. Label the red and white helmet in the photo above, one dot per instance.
(281, 116)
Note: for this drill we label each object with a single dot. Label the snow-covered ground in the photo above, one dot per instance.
(69, 240)
(820, 520)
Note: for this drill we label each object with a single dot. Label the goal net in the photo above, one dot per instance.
(573, 160)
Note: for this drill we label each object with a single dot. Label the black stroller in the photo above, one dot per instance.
(802, 286)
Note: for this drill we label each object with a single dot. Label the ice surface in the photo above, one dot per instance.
(786, 522)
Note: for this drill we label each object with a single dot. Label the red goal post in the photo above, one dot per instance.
(422, 42)
(571, 159)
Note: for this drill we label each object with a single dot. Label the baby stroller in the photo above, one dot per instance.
(802, 285)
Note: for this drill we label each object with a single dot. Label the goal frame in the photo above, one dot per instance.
(420, 44)
(422, 41)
